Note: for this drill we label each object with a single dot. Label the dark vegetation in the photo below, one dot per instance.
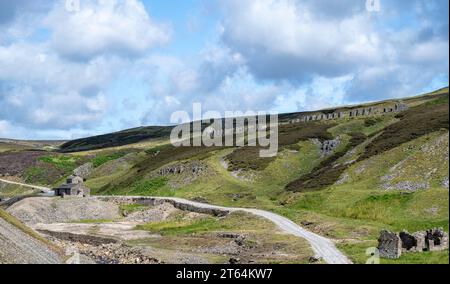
(326, 173)
(15, 163)
(414, 123)
(121, 138)
(38, 167)
(247, 158)
(372, 121)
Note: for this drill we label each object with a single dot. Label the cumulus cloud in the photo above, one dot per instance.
(40, 90)
(71, 73)
(299, 40)
(219, 80)
(284, 39)
(100, 26)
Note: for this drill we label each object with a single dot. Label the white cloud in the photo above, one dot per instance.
(100, 26)
(41, 90)
(287, 32)
(303, 40)
(4, 129)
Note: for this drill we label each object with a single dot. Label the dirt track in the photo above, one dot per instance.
(323, 247)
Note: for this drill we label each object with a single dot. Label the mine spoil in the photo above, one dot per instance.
(19, 248)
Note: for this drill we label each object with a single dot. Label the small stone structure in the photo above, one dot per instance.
(74, 186)
(392, 245)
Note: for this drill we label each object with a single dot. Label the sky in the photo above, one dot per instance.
(76, 68)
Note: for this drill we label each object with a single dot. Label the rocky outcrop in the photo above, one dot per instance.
(406, 186)
(84, 171)
(194, 168)
(328, 146)
(392, 245)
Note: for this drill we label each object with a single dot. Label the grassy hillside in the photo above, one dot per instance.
(125, 137)
(387, 172)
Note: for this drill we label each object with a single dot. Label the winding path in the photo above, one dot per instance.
(323, 247)
(41, 188)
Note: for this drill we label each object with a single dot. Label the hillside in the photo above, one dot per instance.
(385, 171)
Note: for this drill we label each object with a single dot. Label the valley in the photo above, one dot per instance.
(341, 180)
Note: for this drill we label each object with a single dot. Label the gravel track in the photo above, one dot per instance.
(323, 247)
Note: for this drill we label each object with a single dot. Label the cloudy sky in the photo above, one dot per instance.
(76, 68)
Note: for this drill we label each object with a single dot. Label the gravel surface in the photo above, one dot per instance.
(16, 247)
(58, 210)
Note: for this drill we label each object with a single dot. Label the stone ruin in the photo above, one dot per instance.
(328, 146)
(398, 107)
(194, 168)
(392, 245)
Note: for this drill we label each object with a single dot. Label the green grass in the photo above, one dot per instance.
(357, 253)
(156, 150)
(105, 158)
(65, 163)
(357, 209)
(327, 172)
(11, 190)
(237, 221)
(148, 187)
(35, 174)
(183, 227)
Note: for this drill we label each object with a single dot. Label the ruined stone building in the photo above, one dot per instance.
(368, 111)
(392, 245)
(74, 186)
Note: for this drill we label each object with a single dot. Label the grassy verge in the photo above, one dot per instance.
(358, 254)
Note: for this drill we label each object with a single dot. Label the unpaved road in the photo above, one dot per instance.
(323, 247)
(41, 188)
(16, 247)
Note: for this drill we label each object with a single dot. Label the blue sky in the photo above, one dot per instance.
(74, 68)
